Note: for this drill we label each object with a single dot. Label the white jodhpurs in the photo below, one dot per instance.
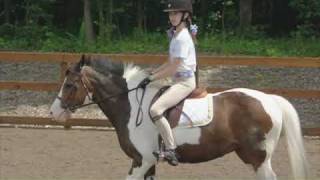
(177, 92)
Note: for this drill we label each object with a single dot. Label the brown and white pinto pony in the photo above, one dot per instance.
(247, 122)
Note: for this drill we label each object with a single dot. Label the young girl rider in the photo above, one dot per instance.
(181, 66)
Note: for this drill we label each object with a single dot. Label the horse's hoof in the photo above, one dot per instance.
(173, 162)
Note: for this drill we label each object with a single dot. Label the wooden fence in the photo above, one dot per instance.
(65, 58)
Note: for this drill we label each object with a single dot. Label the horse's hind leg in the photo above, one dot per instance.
(259, 160)
(257, 150)
(265, 171)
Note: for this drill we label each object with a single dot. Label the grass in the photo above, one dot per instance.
(158, 43)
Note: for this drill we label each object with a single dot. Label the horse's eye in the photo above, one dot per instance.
(68, 86)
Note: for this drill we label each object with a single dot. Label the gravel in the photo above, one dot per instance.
(32, 103)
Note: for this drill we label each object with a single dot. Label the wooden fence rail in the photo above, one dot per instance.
(65, 58)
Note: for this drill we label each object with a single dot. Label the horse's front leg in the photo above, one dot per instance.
(139, 171)
(151, 173)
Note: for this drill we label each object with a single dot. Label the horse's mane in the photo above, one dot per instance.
(132, 73)
(105, 66)
(135, 74)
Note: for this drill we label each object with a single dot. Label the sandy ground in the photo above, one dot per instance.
(92, 154)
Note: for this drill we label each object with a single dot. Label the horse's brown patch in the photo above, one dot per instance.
(103, 85)
(74, 92)
(240, 124)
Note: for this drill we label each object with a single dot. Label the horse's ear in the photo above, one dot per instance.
(84, 60)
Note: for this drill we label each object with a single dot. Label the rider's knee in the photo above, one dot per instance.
(156, 113)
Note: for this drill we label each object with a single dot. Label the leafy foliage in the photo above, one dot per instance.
(57, 25)
(308, 17)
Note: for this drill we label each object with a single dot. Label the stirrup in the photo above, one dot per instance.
(159, 153)
(171, 157)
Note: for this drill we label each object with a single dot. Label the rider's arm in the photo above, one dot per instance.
(169, 70)
(164, 65)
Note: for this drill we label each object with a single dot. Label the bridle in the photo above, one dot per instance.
(75, 107)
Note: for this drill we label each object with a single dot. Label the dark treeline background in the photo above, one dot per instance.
(96, 20)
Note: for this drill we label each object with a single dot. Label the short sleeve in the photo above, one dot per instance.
(180, 49)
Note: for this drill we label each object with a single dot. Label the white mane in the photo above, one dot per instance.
(135, 74)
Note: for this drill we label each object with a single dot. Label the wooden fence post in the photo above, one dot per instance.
(63, 68)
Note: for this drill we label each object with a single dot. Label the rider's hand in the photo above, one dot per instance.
(144, 82)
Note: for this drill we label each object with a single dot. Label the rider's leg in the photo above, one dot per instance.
(170, 98)
(165, 132)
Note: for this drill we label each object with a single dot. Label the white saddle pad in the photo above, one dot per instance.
(196, 112)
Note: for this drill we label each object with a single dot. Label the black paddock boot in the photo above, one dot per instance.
(171, 156)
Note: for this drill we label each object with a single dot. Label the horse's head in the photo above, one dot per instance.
(73, 92)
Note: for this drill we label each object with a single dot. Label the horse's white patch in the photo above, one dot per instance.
(57, 112)
(145, 137)
(138, 172)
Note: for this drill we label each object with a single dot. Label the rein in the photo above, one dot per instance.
(138, 121)
(73, 108)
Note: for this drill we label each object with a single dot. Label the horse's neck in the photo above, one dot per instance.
(117, 109)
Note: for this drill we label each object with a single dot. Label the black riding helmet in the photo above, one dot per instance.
(179, 5)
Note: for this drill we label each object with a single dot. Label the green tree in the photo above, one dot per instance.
(245, 14)
(308, 16)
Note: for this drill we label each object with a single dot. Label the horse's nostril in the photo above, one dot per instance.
(51, 113)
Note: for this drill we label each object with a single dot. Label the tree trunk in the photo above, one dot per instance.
(109, 19)
(140, 14)
(105, 9)
(7, 9)
(245, 13)
(27, 17)
(68, 14)
(90, 36)
(204, 14)
(102, 21)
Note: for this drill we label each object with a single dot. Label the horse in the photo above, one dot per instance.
(245, 121)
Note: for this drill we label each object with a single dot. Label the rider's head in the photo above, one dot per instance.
(180, 11)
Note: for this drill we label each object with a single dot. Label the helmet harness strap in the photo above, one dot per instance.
(181, 21)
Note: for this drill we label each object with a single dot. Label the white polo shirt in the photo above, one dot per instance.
(182, 46)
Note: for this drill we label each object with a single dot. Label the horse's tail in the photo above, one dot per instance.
(291, 125)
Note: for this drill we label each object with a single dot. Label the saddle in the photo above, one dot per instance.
(173, 114)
